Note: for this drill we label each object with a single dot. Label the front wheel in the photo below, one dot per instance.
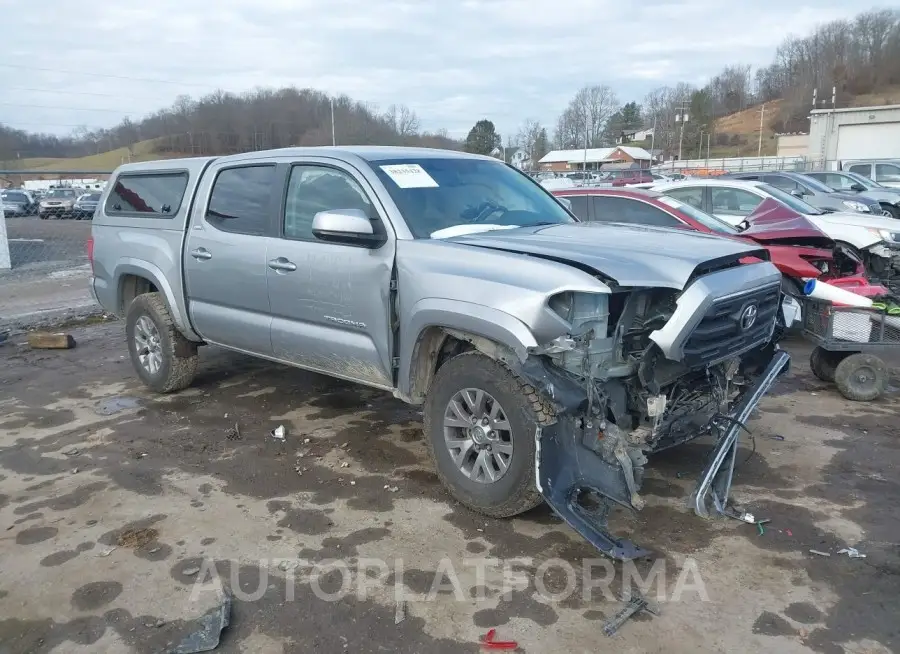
(162, 357)
(480, 425)
(890, 210)
(824, 363)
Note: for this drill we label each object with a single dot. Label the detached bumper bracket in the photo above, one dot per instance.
(564, 470)
(714, 486)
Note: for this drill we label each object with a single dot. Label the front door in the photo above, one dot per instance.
(331, 302)
(731, 204)
(225, 257)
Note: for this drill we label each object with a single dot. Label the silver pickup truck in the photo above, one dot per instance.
(551, 356)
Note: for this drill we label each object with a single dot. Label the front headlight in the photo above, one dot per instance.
(886, 235)
(856, 206)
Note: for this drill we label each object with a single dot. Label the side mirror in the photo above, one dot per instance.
(798, 193)
(856, 186)
(566, 202)
(349, 226)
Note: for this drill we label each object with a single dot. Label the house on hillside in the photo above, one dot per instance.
(634, 135)
(594, 158)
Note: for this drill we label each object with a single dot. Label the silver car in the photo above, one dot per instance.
(551, 357)
(888, 198)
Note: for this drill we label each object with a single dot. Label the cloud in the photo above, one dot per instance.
(453, 62)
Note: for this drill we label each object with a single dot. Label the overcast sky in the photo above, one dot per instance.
(64, 64)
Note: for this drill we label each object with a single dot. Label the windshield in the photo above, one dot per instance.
(791, 201)
(14, 197)
(865, 181)
(701, 217)
(62, 193)
(817, 184)
(435, 194)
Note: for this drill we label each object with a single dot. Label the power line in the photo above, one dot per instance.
(87, 93)
(47, 106)
(107, 76)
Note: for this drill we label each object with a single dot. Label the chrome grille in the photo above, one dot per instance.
(723, 332)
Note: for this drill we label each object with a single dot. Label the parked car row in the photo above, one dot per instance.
(56, 203)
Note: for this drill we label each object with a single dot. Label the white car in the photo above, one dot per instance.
(875, 239)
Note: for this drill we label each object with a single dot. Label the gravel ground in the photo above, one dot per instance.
(115, 504)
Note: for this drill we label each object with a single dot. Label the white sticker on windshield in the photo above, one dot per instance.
(409, 176)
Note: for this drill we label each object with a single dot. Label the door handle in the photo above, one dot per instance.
(201, 254)
(282, 264)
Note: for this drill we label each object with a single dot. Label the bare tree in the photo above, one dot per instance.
(403, 120)
(528, 137)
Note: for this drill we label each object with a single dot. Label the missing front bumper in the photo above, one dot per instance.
(566, 470)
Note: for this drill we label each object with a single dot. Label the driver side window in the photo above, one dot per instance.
(734, 201)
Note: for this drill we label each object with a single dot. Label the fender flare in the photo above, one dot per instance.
(151, 272)
(458, 315)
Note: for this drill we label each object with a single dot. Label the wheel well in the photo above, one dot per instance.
(130, 286)
(437, 345)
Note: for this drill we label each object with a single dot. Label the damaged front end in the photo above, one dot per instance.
(882, 261)
(643, 370)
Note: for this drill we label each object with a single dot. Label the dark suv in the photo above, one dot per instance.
(812, 191)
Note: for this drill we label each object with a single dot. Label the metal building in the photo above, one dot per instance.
(854, 133)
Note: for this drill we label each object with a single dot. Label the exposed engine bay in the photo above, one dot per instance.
(628, 386)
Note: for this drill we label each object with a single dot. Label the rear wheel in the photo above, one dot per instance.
(824, 363)
(861, 377)
(162, 357)
(480, 424)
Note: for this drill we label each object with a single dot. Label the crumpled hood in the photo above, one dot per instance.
(773, 221)
(631, 255)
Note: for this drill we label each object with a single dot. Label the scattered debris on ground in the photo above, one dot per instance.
(852, 552)
(51, 341)
(818, 553)
(278, 433)
(208, 630)
(635, 605)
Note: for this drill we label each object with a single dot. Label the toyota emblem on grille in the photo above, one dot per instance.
(748, 316)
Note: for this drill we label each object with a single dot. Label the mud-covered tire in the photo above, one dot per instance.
(824, 363)
(525, 408)
(179, 355)
(861, 377)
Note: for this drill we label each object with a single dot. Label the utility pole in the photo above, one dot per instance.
(708, 137)
(682, 118)
(762, 114)
(652, 140)
(333, 140)
(700, 151)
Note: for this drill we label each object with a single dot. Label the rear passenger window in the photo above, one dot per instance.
(241, 198)
(862, 169)
(152, 195)
(625, 210)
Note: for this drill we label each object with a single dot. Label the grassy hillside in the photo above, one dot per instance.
(103, 161)
(745, 124)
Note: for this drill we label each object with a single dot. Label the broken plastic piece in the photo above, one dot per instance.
(567, 474)
(635, 605)
(400, 612)
(205, 637)
(488, 641)
(278, 433)
(818, 553)
(852, 552)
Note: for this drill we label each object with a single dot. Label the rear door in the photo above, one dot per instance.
(608, 208)
(331, 302)
(225, 255)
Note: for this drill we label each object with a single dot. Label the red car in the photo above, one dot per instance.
(797, 247)
(628, 177)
